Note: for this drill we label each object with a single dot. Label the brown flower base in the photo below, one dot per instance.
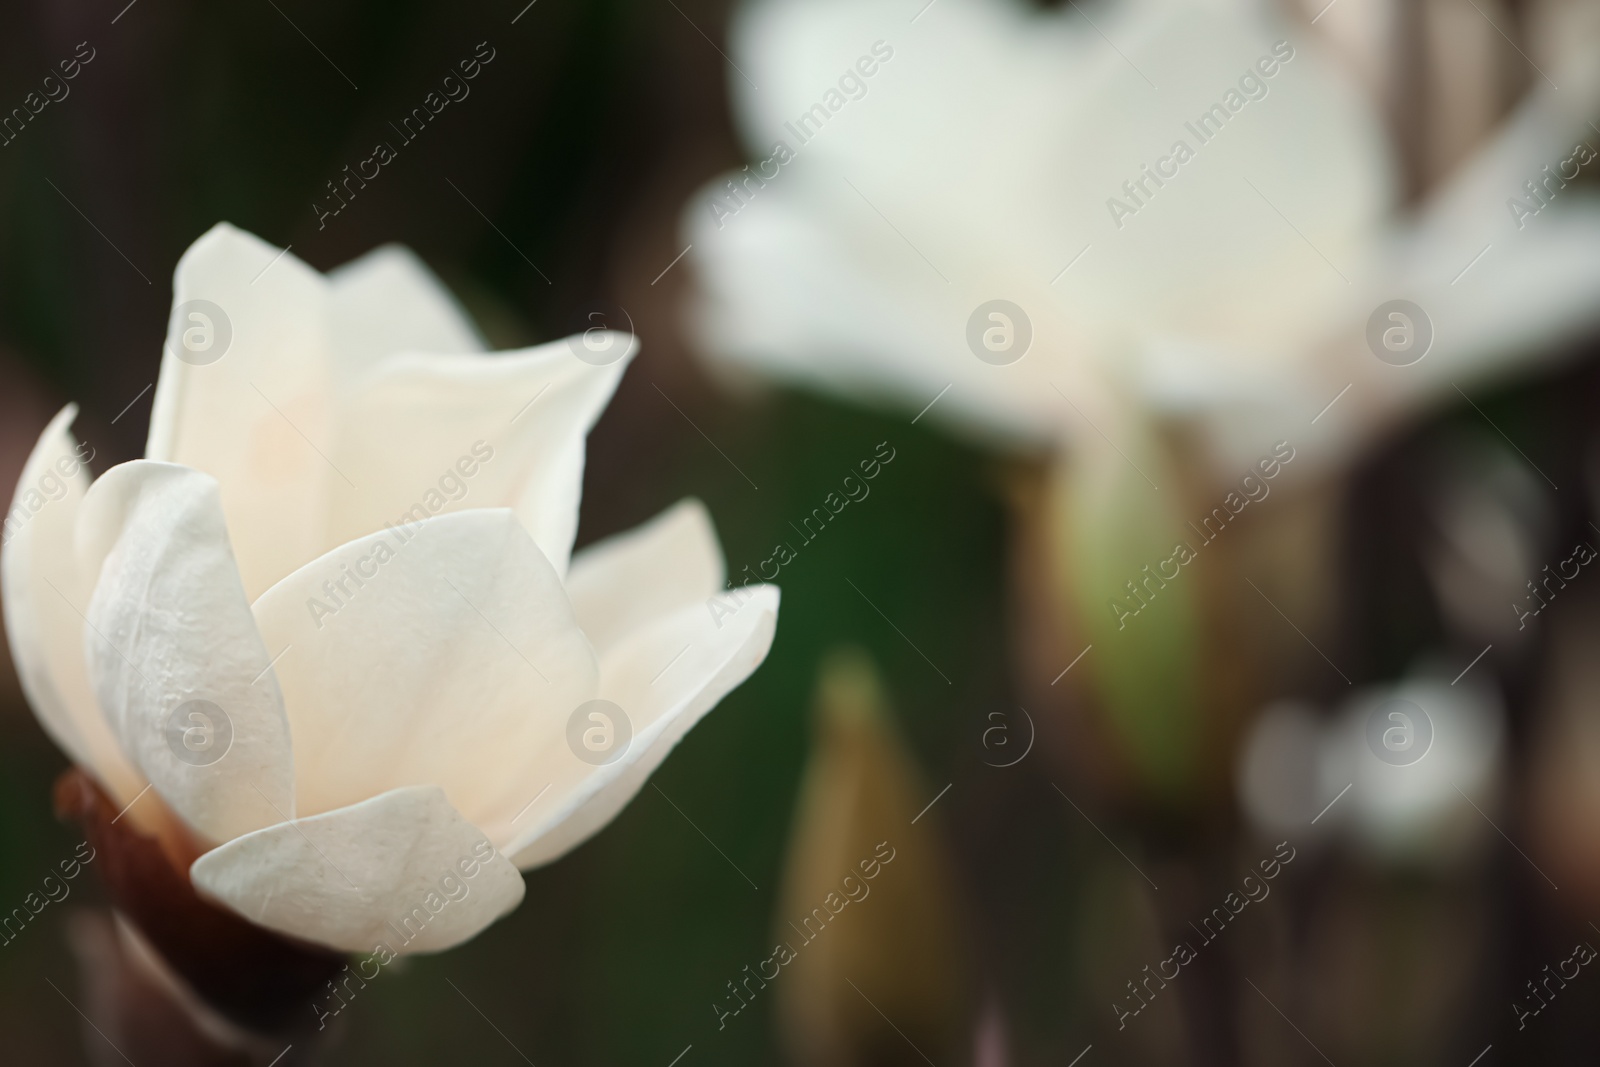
(133, 1015)
(257, 980)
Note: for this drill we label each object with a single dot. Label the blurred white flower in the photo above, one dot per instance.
(1410, 771)
(1192, 215)
(383, 665)
(1430, 798)
(986, 160)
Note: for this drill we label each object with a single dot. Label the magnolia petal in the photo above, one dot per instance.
(428, 434)
(403, 870)
(665, 677)
(633, 578)
(1531, 293)
(173, 652)
(244, 395)
(1475, 204)
(388, 301)
(44, 590)
(440, 653)
(743, 312)
(1517, 309)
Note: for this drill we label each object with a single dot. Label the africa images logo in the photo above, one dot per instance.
(1399, 732)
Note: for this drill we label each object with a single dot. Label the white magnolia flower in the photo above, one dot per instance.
(350, 542)
(1001, 151)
